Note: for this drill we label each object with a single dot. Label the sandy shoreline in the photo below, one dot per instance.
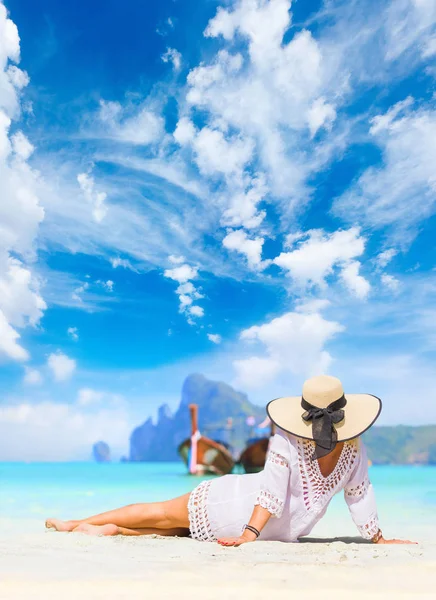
(37, 564)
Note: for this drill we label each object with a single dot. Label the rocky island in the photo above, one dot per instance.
(101, 452)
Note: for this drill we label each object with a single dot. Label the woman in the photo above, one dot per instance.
(315, 454)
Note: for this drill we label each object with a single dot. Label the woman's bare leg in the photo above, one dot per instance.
(157, 515)
(111, 529)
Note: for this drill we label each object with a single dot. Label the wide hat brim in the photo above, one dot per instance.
(361, 411)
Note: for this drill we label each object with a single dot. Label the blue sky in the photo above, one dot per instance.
(245, 189)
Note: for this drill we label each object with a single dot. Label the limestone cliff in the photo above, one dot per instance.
(217, 402)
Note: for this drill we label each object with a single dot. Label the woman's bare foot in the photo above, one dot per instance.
(96, 529)
(59, 525)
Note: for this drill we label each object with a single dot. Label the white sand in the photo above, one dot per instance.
(36, 564)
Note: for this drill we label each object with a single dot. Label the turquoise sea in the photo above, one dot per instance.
(406, 495)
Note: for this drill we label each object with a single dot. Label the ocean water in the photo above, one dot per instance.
(406, 495)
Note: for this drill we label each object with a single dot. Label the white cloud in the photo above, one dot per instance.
(402, 192)
(21, 303)
(96, 199)
(385, 257)
(140, 126)
(87, 396)
(215, 154)
(21, 145)
(78, 292)
(32, 376)
(320, 114)
(56, 431)
(18, 78)
(238, 241)
(291, 344)
(61, 365)
(108, 285)
(176, 260)
(9, 50)
(20, 300)
(272, 95)
(219, 155)
(214, 337)
(312, 306)
(409, 25)
(243, 205)
(9, 345)
(316, 257)
(174, 57)
(196, 311)
(383, 122)
(121, 262)
(167, 26)
(185, 131)
(255, 372)
(429, 48)
(357, 284)
(389, 281)
(142, 228)
(73, 332)
(186, 291)
(182, 274)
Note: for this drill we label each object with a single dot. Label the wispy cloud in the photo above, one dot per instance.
(402, 193)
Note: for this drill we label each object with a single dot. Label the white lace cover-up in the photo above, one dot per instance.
(291, 487)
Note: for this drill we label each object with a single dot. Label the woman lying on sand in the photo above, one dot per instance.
(315, 454)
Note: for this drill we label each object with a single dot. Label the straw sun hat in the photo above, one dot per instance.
(324, 413)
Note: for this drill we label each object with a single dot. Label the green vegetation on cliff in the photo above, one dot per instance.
(401, 445)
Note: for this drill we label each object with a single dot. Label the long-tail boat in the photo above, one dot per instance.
(253, 457)
(202, 455)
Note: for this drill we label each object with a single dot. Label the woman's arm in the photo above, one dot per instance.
(259, 518)
(360, 498)
(272, 493)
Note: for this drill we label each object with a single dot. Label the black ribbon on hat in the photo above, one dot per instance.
(323, 424)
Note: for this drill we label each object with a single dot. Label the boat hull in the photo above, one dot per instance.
(212, 457)
(253, 457)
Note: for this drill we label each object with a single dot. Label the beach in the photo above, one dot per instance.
(40, 564)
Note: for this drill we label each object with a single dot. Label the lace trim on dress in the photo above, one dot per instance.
(199, 524)
(271, 502)
(277, 459)
(359, 490)
(317, 489)
(370, 529)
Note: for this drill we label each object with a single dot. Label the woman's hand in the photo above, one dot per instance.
(247, 536)
(233, 541)
(383, 541)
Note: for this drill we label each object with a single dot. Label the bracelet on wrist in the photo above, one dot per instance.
(252, 529)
